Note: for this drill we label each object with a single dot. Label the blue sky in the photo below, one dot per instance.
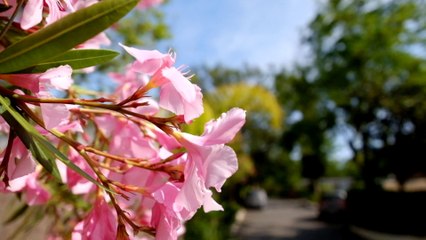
(260, 33)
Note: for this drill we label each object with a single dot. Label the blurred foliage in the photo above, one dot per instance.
(224, 89)
(143, 28)
(212, 225)
(139, 29)
(366, 82)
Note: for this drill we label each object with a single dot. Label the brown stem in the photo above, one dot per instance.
(5, 162)
(9, 23)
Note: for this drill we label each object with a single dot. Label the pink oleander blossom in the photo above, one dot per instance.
(128, 86)
(145, 4)
(57, 78)
(210, 162)
(166, 223)
(35, 193)
(177, 93)
(4, 126)
(219, 131)
(77, 183)
(146, 179)
(100, 223)
(8, 13)
(21, 162)
(33, 12)
(126, 139)
(54, 115)
(195, 192)
(149, 61)
(41, 84)
(96, 42)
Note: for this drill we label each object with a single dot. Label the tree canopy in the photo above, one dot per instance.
(366, 80)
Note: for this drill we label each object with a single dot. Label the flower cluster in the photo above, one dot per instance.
(124, 154)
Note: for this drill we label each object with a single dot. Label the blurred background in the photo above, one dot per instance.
(335, 98)
(335, 93)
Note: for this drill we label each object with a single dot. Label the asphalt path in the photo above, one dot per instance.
(284, 219)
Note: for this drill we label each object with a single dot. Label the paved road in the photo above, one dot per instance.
(289, 220)
(9, 203)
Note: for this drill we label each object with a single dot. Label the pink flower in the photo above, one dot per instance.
(219, 131)
(129, 84)
(77, 183)
(149, 180)
(35, 193)
(144, 4)
(57, 9)
(166, 223)
(219, 162)
(8, 13)
(27, 81)
(40, 84)
(100, 223)
(201, 175)
(149, 61)
(96, 42)
(177, 93)
(57, 78)
(54, 115)
(4, 126)
(21, 162)
(126, 139)
(33, 12)
(209, 162)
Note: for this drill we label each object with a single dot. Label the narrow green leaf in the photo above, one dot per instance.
(63, 34)
(26, 132)
(14, 35)
(45, 153)
(2, 108)
(44, 157)
(20, 121)
(77, 59)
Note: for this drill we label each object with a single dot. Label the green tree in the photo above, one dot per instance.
(260, 158)
(308, 122)
(367, 77)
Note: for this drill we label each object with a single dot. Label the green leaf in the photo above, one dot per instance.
(14, 35)
(44, 157)
(26, 132)
(44, 152)
(2, 107)
(63, 34)
(77, 59)
(64, 159)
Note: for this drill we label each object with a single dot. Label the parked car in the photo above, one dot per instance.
(332, 206)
